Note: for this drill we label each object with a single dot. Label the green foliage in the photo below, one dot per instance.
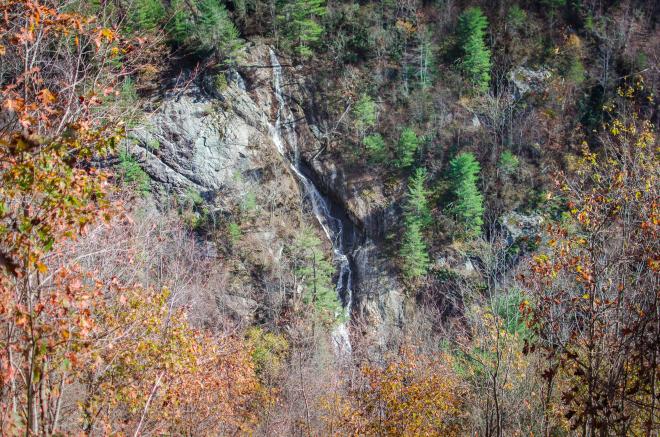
(179, 26)
(193, 198)
(507, 307)
(269, 351)
(417, 216)
(146, 15)
(315, 272)
(214, 30)
(468, 201)
(201, 26)
(220, 82)
(364, 112)
(406, 148)
(299, 20)
(375, 145)
(575, 71)
(475, 56)
(152, 144)
(235, 233)
(249, 202)
(589, 23)
(192, 209)
(132, 174)
(508, 162)
(417, 204)
(128, 96)
(641, 61)
(414, 252)
(240, 10)
(516, 17)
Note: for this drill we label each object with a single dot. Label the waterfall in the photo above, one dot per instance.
(235, 76)
(332, 224)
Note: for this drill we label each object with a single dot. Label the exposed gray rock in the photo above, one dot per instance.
(459, 263)
(191, 142)
(518, 226)
(528, 80)
(379, 300)
(238, 306)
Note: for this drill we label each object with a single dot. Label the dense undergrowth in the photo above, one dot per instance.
(464, 111)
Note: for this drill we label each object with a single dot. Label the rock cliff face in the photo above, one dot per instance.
(194, 141)
(215, 138)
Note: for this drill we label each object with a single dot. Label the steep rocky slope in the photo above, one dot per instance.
(214, 139)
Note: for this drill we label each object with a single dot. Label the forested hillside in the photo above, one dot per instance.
(327, 217)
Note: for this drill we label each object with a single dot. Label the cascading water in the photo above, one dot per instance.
(337, 228)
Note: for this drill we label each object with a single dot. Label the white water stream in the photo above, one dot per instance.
(333, 226)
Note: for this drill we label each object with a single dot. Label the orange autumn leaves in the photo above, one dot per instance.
(411, 394)
(81, 353)
(32, 29)
(594, 294)
(166, 376)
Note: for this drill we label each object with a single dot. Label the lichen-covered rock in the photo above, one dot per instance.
(195, 142)
(519, 226)
(528, 80)
(236, 306)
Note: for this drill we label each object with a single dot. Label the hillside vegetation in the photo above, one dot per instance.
(329, 217)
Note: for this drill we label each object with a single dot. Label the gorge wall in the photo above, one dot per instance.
(223, 135)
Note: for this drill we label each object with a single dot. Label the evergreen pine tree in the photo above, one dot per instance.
(300, 22)
(146, 15)
(475, 56)
(468, 201)
(417, 217)
(365, 112)
(179, 26)
(417, 205)
(407, 147)
(315, 272)
(414, 252)
(375, 145)
(214, 30)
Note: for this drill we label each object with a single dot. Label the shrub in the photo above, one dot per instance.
(406, 148)
(249, 202)
(575, 72)
(220, 82)
(132, 174)
(152, 144)
(235, 233)
(365, 112)
(269, 352)
(375, 145)
(508, 162)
